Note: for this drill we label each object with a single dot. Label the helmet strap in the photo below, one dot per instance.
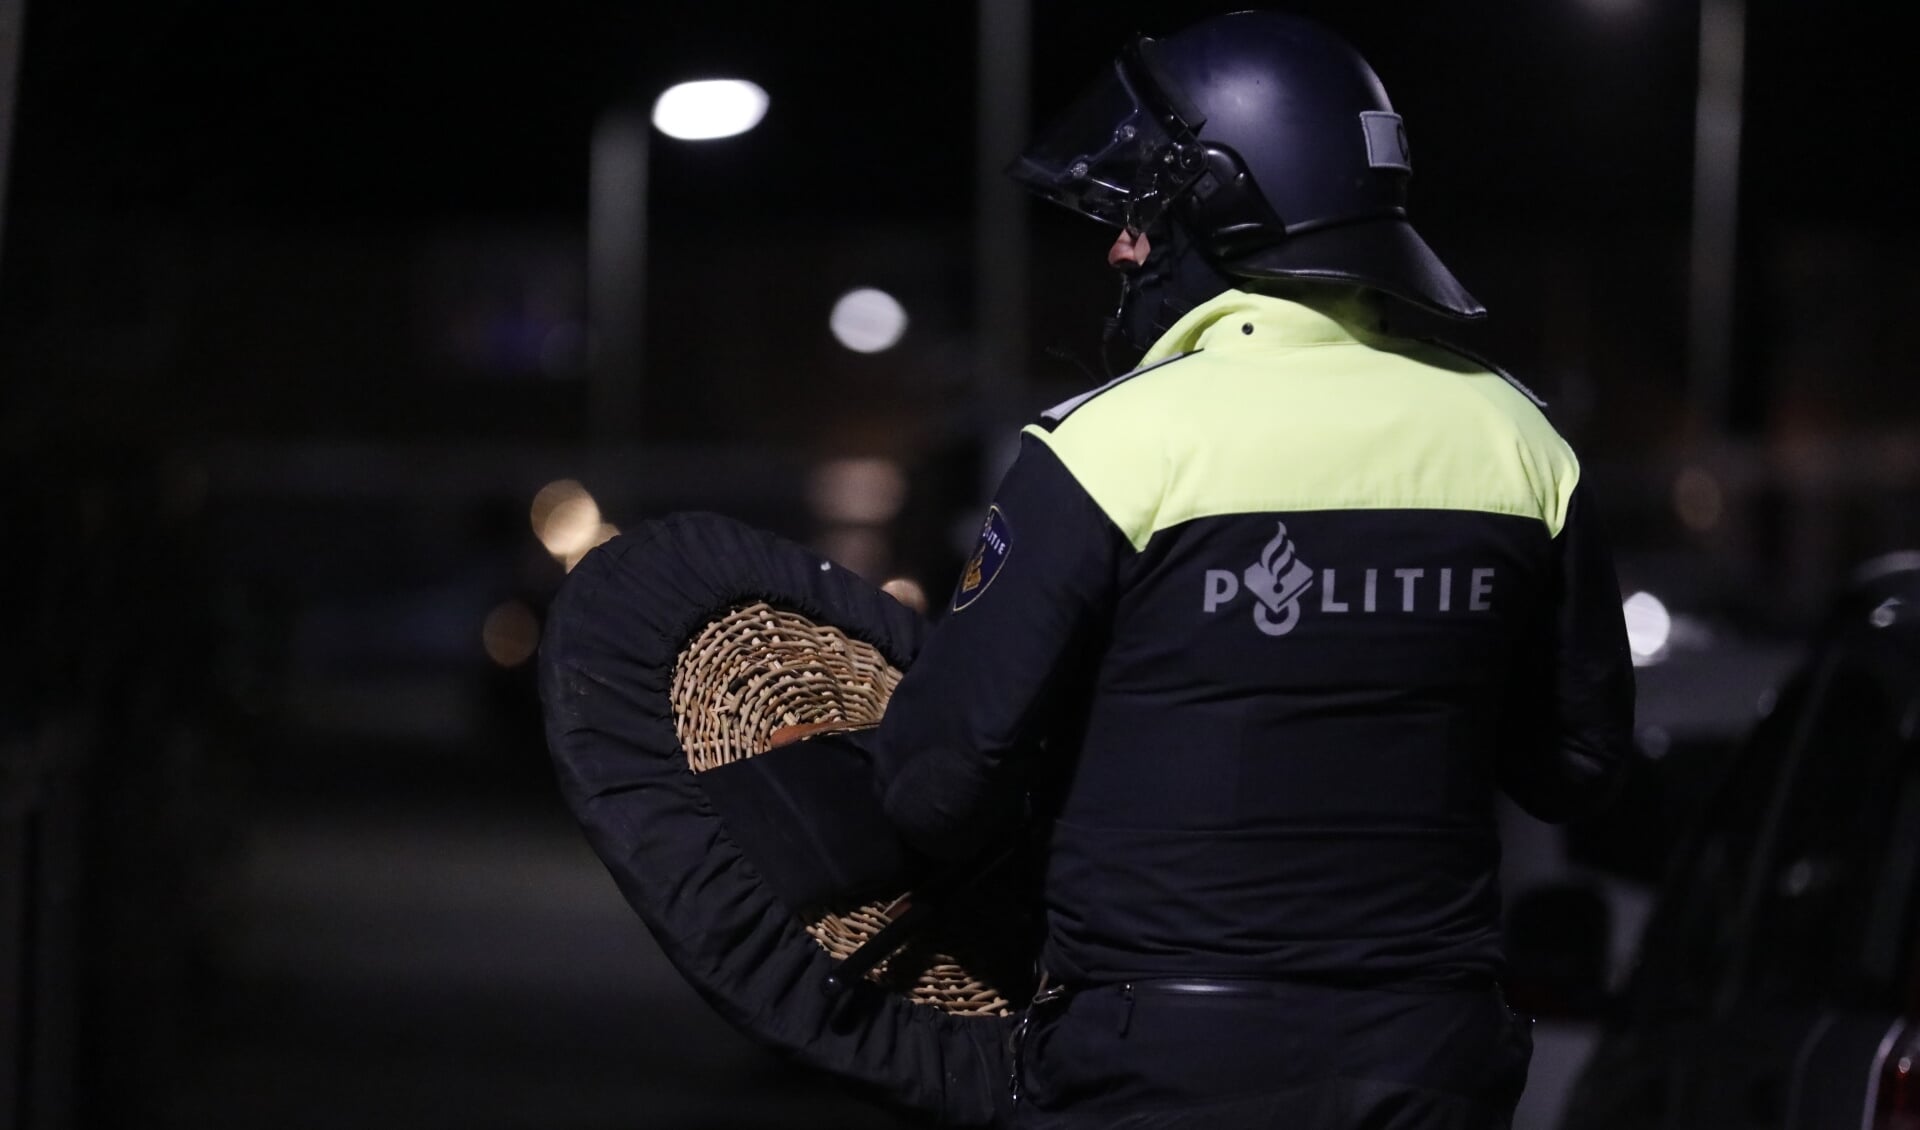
(1110, 329)
(1177, 276)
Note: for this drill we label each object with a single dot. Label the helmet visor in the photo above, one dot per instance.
(1125, 149)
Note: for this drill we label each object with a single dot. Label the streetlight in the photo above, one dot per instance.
(709, 109)
(706, 110)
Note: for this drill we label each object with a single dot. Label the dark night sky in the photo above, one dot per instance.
(367, 111)
(1553, 142)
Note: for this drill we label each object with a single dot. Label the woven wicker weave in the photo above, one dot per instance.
(758, 669)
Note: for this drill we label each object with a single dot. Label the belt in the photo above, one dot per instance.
(1269, 988)
(1205, 987)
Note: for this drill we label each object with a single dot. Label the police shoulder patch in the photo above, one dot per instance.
(996, 544)
(1056, 415)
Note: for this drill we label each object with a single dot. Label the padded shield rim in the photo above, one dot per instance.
(613, 636)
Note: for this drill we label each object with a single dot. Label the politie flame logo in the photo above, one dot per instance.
(1278, 580)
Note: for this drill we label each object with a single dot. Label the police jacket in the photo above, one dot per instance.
(1281, 610)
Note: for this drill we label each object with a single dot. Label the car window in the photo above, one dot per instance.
(1691, 940)
(1890, 930)
(1798, 882)
(1818, 894)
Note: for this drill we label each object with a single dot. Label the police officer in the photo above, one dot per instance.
(1260, 627)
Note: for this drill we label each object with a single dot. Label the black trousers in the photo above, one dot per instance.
(1298, 1057)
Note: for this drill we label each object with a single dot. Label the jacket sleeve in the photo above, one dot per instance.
(1567, 756)
(952, 748)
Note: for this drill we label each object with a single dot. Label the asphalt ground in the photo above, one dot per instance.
(466, 964)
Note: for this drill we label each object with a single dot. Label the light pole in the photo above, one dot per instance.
(617, 231)
(13, 24)
(1716, 211)
(1000, 257)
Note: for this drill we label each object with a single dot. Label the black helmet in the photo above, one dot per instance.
(1268, 142)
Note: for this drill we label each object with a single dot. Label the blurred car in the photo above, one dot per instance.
(1778, 981)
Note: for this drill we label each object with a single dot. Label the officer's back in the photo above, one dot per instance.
(1341, 541)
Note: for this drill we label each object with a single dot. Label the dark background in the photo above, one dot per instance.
(292, 329)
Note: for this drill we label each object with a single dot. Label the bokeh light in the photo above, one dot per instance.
(868, 320)
(602, 534)
(859, 491)
(567, 521)
(510, 634)
(1698, 500)
(907, 591)
(860, 550)
(1648, 627)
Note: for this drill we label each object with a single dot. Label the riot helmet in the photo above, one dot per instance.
(1251, 148)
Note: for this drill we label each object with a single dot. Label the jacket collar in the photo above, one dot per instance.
(1236, 320)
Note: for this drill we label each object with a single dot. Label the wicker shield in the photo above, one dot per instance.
(692, 643)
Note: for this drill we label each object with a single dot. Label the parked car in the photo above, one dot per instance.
(1778, 980)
